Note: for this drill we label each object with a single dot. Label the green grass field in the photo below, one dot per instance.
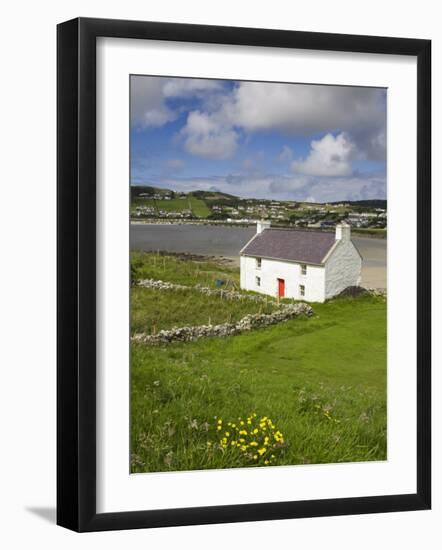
(317, 386)
(198, 207)
(153, 310)
(178, 269)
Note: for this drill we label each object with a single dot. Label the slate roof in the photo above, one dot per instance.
(290, 244)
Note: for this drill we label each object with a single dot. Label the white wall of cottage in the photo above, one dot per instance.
(342, 268)
(272, 270)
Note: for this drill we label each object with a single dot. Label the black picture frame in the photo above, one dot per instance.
(76, 273)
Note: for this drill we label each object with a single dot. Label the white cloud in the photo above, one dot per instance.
(185, 87)
(147, 102)
(296, 187)
(329, 156)
(207, 136)
(304, 108)
(149, 97)
(295, 109)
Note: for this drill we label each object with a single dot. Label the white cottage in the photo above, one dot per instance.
(305, 265)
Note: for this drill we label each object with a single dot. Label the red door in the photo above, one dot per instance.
(281, 288)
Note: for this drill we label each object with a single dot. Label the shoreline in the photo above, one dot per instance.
(372, 276)
(222, 243)
(218, 223)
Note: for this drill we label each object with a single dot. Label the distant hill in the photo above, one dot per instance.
(370, 203)
(215, 196)
(142, 190)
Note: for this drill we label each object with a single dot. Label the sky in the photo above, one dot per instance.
(259, 139)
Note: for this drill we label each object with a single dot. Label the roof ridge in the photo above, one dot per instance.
(299, 230)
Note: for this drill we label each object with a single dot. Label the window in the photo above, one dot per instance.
(258, 281)
(303, 269)
(301, 290)
(258, 263)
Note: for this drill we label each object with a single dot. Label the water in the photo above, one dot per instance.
(221, 240)
(207, 240)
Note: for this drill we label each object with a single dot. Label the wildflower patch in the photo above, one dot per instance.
(255, 439)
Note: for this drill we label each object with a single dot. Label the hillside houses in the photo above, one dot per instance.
(152, 203)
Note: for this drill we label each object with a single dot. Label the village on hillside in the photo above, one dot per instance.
(152, 203)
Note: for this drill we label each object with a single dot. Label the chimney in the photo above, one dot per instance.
(343, 232)
(261, 225)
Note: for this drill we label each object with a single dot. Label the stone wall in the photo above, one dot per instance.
(378, 292)
(186, 334)
(249, 322)
(222, 293)
(355, 291)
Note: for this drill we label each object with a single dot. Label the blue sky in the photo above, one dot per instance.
(259, 139)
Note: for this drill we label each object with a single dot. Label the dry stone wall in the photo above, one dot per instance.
(222, 293)
(249, 322)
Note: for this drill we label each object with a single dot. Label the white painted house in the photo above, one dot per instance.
(305, 265)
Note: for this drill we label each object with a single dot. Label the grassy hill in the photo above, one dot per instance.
(321, 381)
(214, 195)
(368, 203)
(154, 202)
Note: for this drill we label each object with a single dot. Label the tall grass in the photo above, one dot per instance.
(153, 310)
(178, 269)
